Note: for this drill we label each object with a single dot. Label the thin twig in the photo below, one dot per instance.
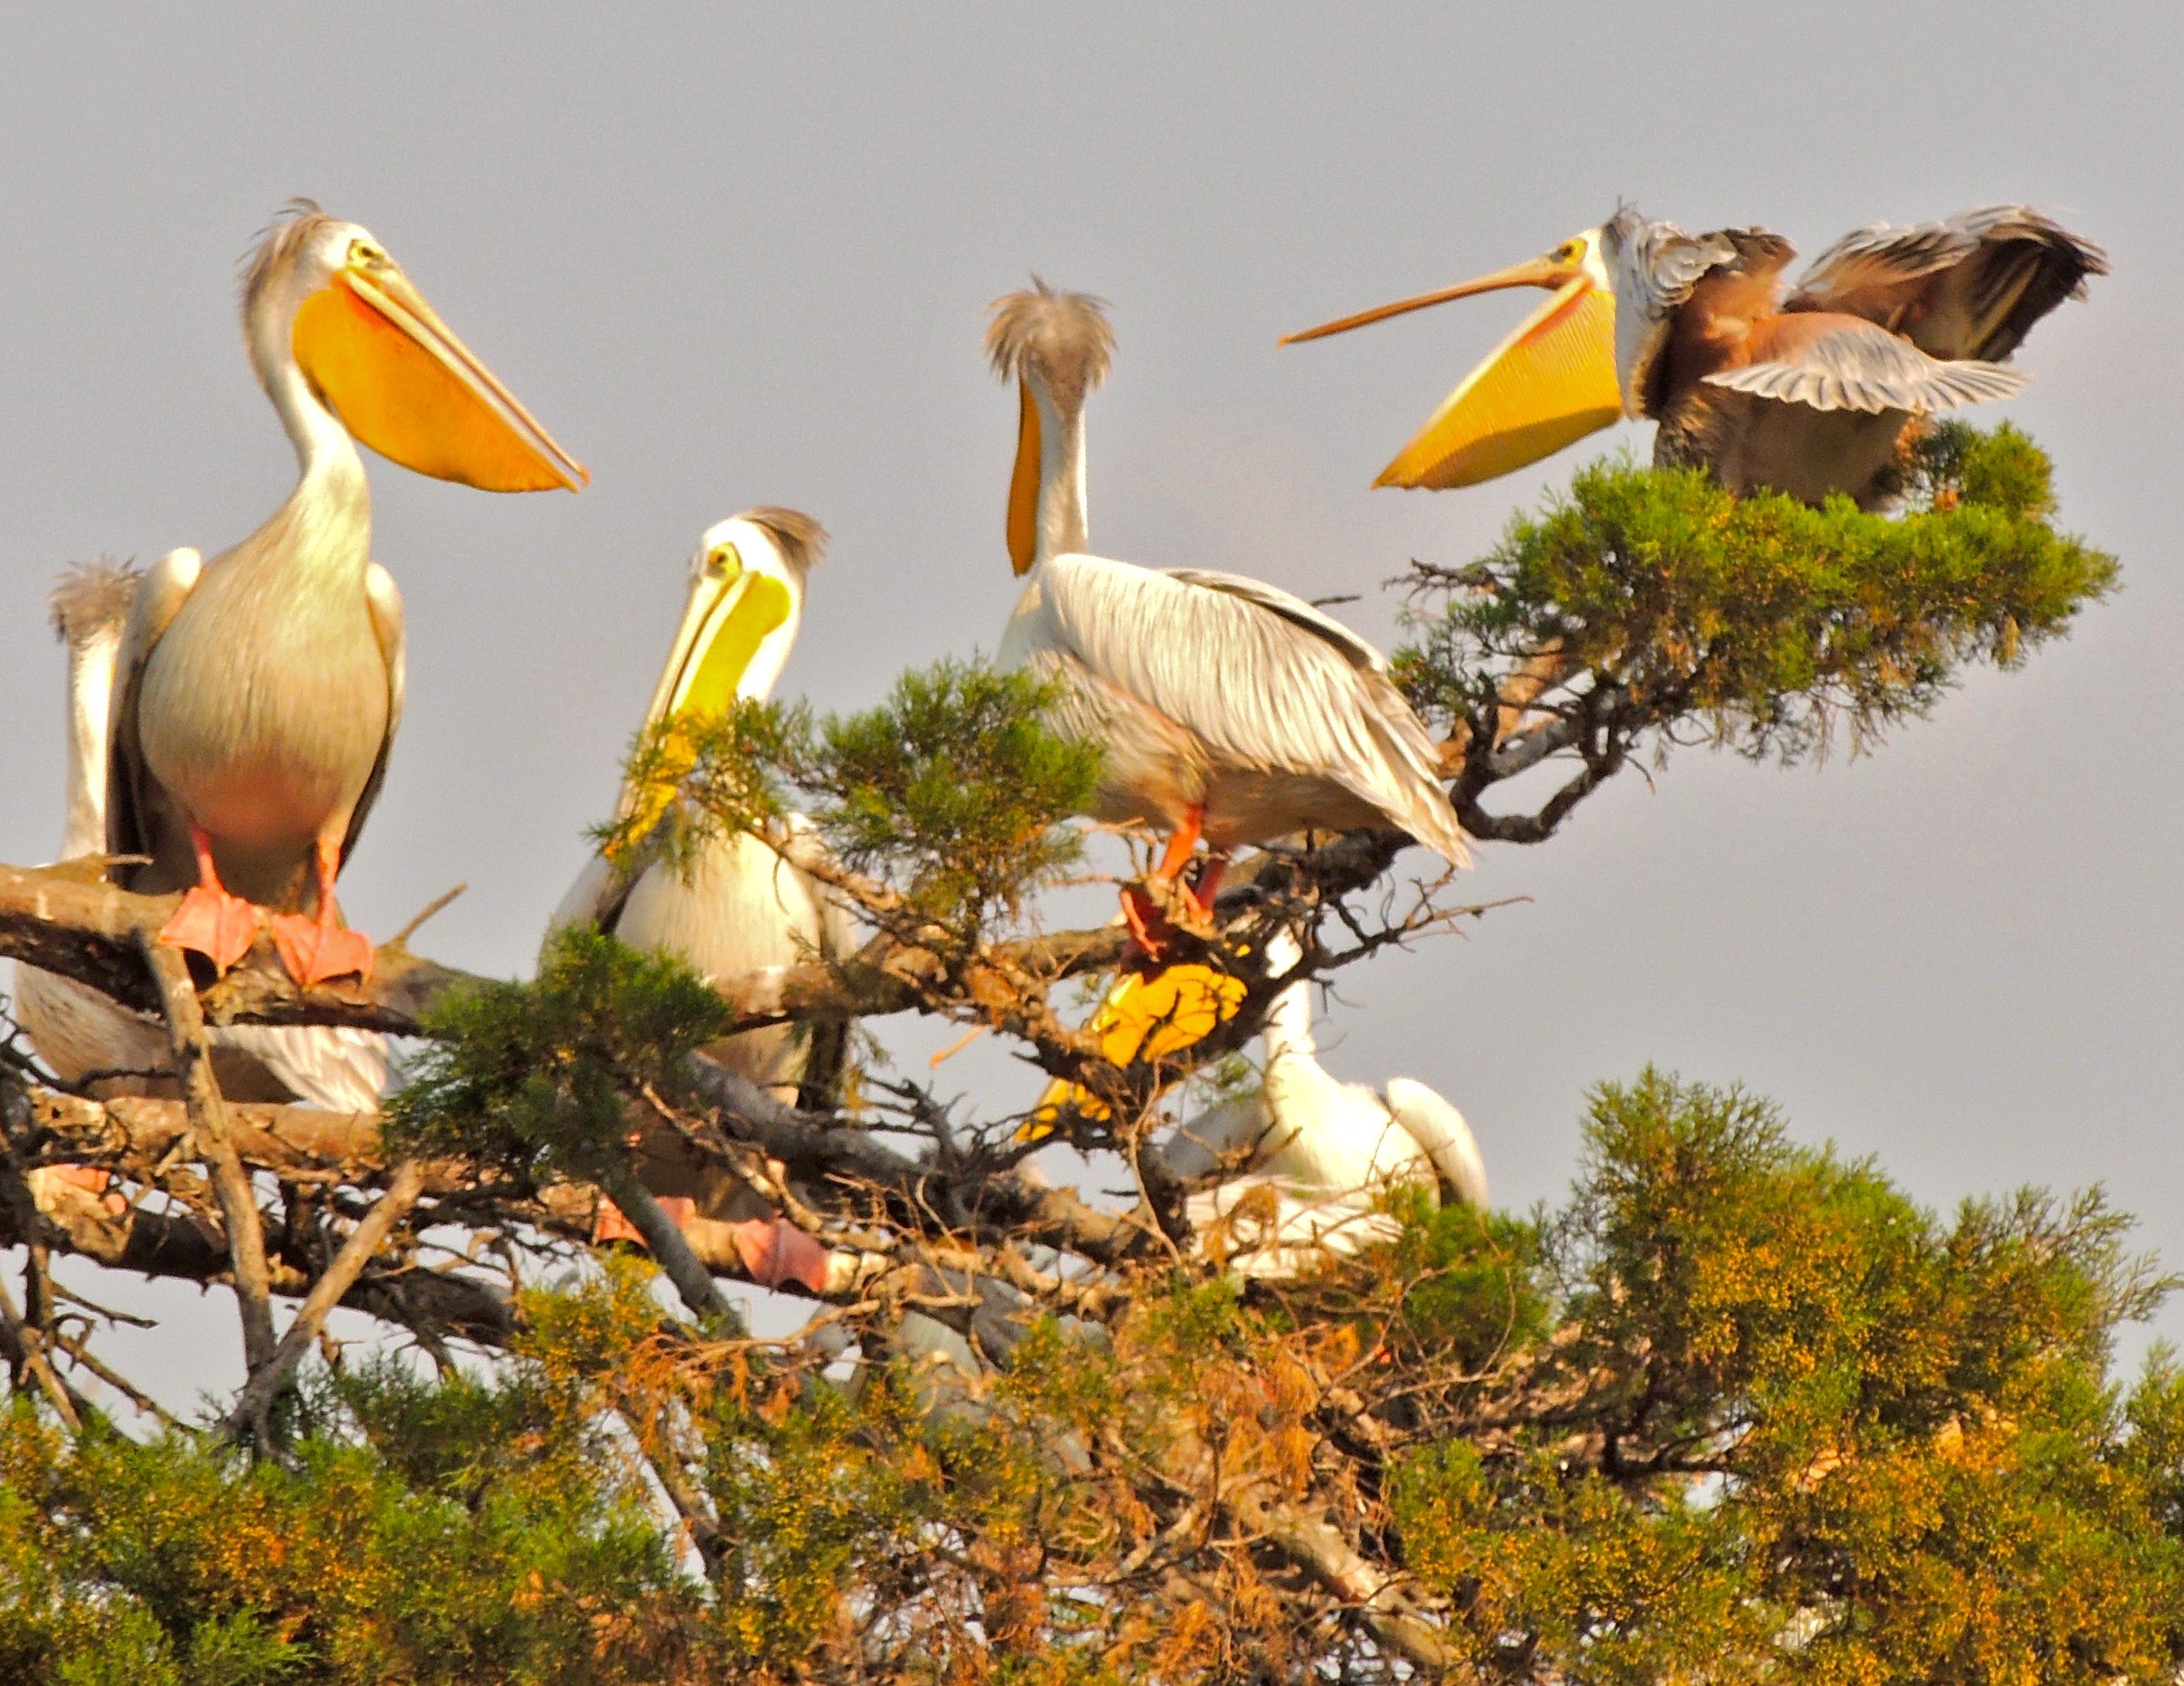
(252, 1406)
(430, 908)
(208, 1112)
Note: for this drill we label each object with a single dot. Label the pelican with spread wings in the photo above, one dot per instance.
(1812, 390)
(258, 693)
(1224, 708)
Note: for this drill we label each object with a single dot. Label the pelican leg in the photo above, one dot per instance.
(1200, 892)
(1150, 928)
(315, 950)
(217, 924)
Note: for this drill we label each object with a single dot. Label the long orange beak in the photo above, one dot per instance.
(404, 383)
(1532, 272)
(1547, 385)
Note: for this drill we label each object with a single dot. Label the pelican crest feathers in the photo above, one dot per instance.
(801, 540)
(90, 598)
(1064, 337)
(292, 225)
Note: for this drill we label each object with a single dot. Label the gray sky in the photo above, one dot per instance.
(741, 256)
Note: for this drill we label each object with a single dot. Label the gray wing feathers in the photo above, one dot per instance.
(385, 601)
(129, 824)
(1263, 678)
(1869, 369)
(1970, 286)
(330, 1066)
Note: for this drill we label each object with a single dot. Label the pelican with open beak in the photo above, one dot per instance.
(259, 692)
(740, 902)
(1811, 390)
(1547, 385)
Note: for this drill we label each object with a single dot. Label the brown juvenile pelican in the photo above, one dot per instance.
(740, 904)
(1811, 393)
(259, 692)
(80, 1032)
(1224, 707)
(1316, 1155)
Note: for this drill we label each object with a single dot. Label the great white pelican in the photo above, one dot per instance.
(1224, 708)
(259, 692)
(741, 902)
(1307, 1161)
(83, 1034)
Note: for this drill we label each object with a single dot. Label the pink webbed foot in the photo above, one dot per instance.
(215, 923)
(609, 1224)
(314, 952)
(777, 1253)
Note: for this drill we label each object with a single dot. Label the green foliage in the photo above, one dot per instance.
(535, 1077)
(1835, 1439)
(951, 792)
(1739, 1411)
(699, 775)
(1763, 620)
(496, 1548)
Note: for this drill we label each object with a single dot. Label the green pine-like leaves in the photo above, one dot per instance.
(951, 793)
(1762, 622)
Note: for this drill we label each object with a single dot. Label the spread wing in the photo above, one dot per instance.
(385, 604)
(1264, 679)
(141, 819)
(1972, 286)
(1851, 364)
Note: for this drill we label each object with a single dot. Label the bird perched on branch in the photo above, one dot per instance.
(1224, 708)
(79, 1031)
(259, 692)
(1313, 1156)
(1812, 391)
(741, 902)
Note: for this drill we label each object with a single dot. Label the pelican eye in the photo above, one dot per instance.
(724, 562)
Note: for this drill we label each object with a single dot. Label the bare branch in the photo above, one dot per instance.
(268, 1380)
(208, 1111)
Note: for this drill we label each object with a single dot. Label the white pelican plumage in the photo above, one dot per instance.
(1224, 707)
(1312, 1154)
(79, 1032)
(740, 903)
(1809, 390)
(259, 692)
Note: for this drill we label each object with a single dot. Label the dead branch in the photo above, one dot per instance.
(208, 1114)
(268, 1380)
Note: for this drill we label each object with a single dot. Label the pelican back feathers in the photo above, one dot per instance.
(1209, 688)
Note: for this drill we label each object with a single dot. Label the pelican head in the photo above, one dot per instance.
(739, 621)
(1056, 347)
(324, 305)
(1548, 384)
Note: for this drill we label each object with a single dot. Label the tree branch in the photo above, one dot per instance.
(208, 1112)
(268, 1380)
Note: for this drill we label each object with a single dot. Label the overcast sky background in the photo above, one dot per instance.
(741, 255)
